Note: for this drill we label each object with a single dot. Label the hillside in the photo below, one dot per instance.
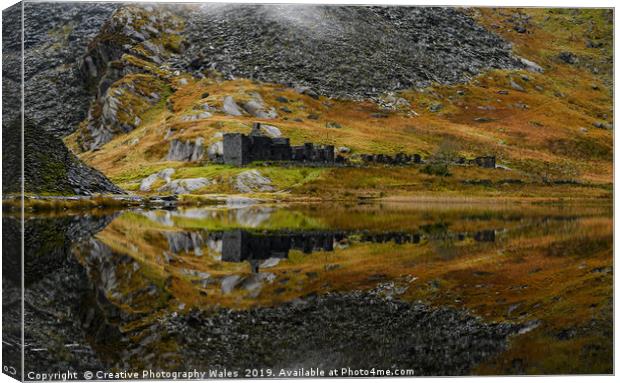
(532, 87)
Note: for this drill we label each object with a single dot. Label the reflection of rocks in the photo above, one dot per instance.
(179, 242)
(354, 329)
(239, 201)
(126, 300)
(253, 216)
(253, 283)
(55, 289)
(228, 283)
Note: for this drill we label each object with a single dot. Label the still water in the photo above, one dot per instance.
(441, 289)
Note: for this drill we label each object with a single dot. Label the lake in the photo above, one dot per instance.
(436, 288)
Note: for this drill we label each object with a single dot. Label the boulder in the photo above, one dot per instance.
(257, 108)
(568, 57)
(230, 107)
(252, 181)
(270, 131)
(215, 151)
(435, 107)
(229, 283)
(333, 125)
(603, 125)
(516, 86)
(344, 150)
(184, 186)
(148, 182)
(307, 91)
(282, 99)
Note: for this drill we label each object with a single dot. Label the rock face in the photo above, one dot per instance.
(267, 130)
(256, 107)
(387, 48)
(57, 35)
(186, 150)
(55, 102)
(122, 67)
(49, 167)
(215, 152)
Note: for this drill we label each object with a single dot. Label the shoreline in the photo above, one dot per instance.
(63, 203)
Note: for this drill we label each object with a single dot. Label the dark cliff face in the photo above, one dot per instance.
(49, 167)
(342, 51)
(55, 101)
(56, 37)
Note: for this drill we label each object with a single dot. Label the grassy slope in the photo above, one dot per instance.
(537, 132)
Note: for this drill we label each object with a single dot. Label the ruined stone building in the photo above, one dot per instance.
(241, 149)
(485, 161)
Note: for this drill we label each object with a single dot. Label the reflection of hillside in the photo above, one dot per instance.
(122, 316)
(207, 256)
(55, 288)
(124, 286)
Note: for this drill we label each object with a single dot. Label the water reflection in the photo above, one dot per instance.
(242, 245)
(148, 289)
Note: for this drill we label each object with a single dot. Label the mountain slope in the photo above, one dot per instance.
(342, 51)
(437, 80)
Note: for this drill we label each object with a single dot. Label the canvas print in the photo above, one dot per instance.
(213, 190)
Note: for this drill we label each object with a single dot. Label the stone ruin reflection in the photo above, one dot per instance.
(241, 245)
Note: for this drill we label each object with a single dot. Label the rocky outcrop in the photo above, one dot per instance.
(117, 111)
(148, 182)
(189, 151)
(252, 181)
(57, 35)
(185, 186)
(270, 131)
(256, 107)
(49, 167)
(342, 50)
(230, 107)
(215, 152)
(147, 33)
(123, 68)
